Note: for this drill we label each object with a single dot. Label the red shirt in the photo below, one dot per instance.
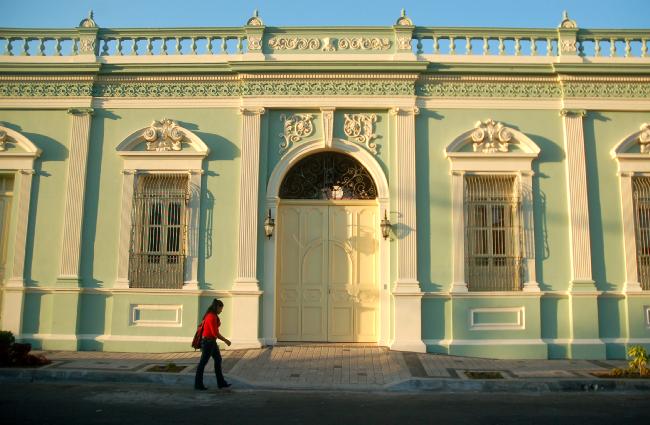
(211, 325)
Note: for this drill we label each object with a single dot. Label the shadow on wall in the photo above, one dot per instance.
(597, 227)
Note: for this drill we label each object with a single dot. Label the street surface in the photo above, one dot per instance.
(119, 403)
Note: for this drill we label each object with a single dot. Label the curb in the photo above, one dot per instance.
(408, 385)
(520, 385)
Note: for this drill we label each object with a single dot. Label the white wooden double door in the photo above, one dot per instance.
(327, 271)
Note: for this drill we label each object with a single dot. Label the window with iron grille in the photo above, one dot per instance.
(641, 196)
(158, 236)
(493, 236)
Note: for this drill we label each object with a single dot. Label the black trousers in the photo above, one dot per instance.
(209, 348)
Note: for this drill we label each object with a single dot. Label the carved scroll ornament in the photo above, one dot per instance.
(644, 138)
(490, 137)
(294, 43)
(296, 127)
(164, 135)
(361, 129)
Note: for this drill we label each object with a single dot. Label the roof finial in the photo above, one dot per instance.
(404, 20)
(567, 22)
(255, 20)
(89, 22)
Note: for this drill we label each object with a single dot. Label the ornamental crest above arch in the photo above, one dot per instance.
(490, 138)
(166, 137)
(14, 143)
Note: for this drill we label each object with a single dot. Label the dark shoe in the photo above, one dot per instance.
(224, 385)
(200, 387)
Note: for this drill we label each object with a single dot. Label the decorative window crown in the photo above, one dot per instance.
(644, 138)
(490, 137)
(164, 135)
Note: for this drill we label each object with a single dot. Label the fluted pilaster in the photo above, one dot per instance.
(578, 201)
(406, 210)
(248, 200)
(17, 273)
(75, 191)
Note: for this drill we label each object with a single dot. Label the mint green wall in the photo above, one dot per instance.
(603, 131)
(220, 129)
(435, 129)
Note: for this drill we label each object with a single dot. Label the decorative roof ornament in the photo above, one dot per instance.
(88, 22)
(163, 136)
(490, 137)
(644, 138)
(255, 20)
(404, 20)
(567, 22)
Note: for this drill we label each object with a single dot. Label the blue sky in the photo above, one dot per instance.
(180, 13)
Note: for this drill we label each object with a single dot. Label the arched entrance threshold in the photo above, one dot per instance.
(330, 283)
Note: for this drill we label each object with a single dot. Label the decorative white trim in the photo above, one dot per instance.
(518, 163)
(580, 238)
(626, 340)
(189, 160)
(164, 103)
(75, 194)
(327, 117)
(407, 293)
(488, 103)
(245, 289)
(270, 248)
(45, 103)
(489, 342)
(640, 105)
(630, 165)
(19, 156)
(136, 309)
(646, 309)
(520, 323)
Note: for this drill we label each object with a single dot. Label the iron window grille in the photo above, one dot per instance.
(493, 233)
(641, 196)
(159, 231)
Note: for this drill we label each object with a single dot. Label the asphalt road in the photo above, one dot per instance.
(115, 403)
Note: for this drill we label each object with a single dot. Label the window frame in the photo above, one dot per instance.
(136, 162)
(464, 161)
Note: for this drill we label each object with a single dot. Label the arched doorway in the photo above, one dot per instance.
(328, 250)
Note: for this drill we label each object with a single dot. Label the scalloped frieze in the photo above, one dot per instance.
(294, 43)
(363, 43)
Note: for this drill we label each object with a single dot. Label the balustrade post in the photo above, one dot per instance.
(88, 45)
(567, 40)
(403, 31)
(255, 35)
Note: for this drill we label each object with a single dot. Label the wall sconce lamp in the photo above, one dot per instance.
(269, 224)
(385, 226)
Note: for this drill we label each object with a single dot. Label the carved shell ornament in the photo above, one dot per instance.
(644, 138)
(361, 129)
(490, 137)
(3, 140)
(296, 127)
(164, 136)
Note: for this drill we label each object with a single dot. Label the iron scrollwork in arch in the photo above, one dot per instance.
(328, 175)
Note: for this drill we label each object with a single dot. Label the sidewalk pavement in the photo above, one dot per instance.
(326, 367)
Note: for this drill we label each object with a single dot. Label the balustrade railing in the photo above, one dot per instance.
(477, 41)
(104, 42)
(613, 43)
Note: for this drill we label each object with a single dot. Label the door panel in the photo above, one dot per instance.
(302, 304)
(327, 266)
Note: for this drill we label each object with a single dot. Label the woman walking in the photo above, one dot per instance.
(209, 347)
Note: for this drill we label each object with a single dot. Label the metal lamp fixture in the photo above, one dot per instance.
(385, 226)
(269, 225)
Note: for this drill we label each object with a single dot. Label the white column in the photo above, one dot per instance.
(458, 226)
(123, 247)
(245, 291)
(632, 283)
(13, 297)
(528, 227)
(407, 294)
(581, 277)
(192, 252)
(74, 200)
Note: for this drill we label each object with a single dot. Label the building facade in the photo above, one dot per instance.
(471, 191)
